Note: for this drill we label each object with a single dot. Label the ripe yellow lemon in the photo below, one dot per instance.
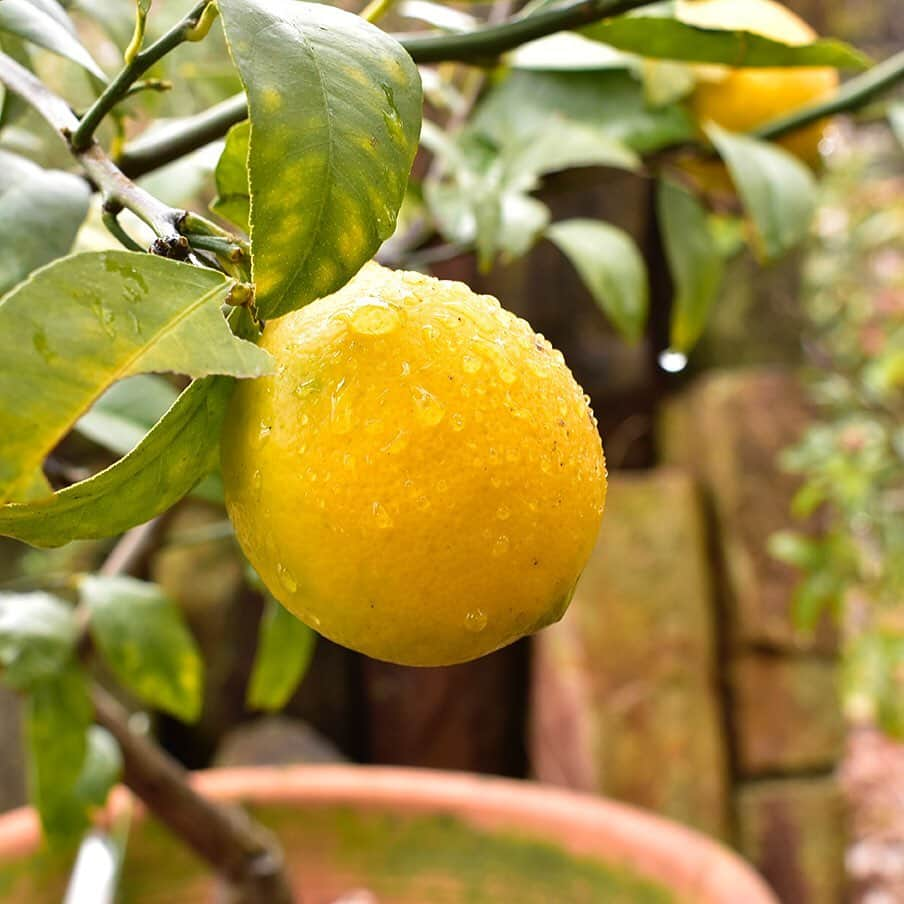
(422, 479)
(742, 99)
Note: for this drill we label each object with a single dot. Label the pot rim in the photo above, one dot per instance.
(585, 825)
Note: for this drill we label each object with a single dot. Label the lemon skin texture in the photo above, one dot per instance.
(740, 100)
(422, 479)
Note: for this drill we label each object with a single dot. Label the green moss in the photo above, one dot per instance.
(403, 859)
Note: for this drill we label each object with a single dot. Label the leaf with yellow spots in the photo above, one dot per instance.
(335, 111)
(142, 637)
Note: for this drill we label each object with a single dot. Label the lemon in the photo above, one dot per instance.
(422, 479)
(743, 99)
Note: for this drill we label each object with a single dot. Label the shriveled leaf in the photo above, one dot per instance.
(694, 261)
(83, 322)
(778, 191)
(659, 37)
(37, 635)
(284, 649)
(40, 213)
(232, 200)
(609, 102)
(121, 417)
(102, 767)
(142, 637)
(611, 267)
(58, 713)
(182, 448)
(335, 110)
(37, 23)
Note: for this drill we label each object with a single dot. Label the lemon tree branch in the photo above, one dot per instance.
(136, 65)
(851, 95)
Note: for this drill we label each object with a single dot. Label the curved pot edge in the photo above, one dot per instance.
(584, 825)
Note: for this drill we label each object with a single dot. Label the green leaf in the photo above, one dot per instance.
(335, 109)
(37, 635)
(142, 636)
(611, 267)
(656, 37)
(778, 190)
(610, 102)
(694, 261)
(232, 200)
(40, 213)
(58, 713)
(566, 51)
(37, 23)
(121, 417)
(12, 106)
(565, 144)
(284, 649)
(182, 448)
(83, 322)
(102, 767)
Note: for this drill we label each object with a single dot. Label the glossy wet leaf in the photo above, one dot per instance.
(142, 636)
(45, 26)
(694, 259)
(232, 200)
(659, 37)
(778, 191)
(609, 103)
(37, 635)
(335, 110)
(182, 448)
(611, 267)
(284, 649)
(121, 417)
(83, 322)
(58, 713)
(40, 213)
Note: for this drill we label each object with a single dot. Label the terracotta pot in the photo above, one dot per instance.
(416, 837)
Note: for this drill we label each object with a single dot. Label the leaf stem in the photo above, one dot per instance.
(376, 9)
(114, 227)
(136, 65)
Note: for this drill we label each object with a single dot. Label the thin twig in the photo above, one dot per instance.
(852, 94)
(99, 167)
(193, 132)
(241, 851)
(135, 67)
(488, 42)
(131, 549)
